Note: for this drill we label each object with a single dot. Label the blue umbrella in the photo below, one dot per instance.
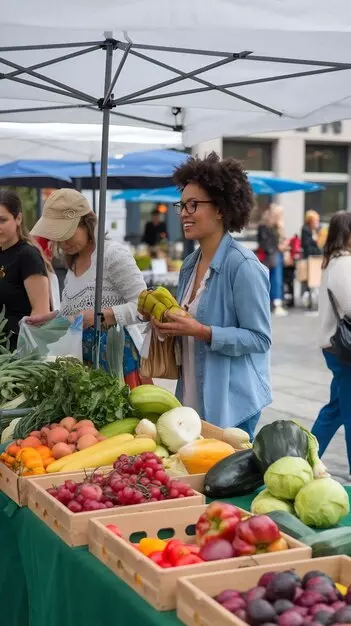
(260, 186)
(42, 173)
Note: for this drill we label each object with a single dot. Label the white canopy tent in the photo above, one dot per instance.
(77, 142)
(205, 67)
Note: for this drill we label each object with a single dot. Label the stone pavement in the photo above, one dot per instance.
(300, 381)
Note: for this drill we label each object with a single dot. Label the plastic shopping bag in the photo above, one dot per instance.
(59, 337)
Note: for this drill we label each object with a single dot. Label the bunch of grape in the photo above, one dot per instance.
(133, 480)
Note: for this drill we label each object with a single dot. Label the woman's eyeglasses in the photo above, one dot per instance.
(189, 205)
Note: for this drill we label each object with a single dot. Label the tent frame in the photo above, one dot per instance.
(107, 102)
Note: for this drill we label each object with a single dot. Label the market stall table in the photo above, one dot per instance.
(43, 581)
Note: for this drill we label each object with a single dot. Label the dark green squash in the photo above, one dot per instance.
(236, 475)
(277, 440)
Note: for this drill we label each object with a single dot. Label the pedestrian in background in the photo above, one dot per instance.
(336, 277)
(155, 230)
(271, 242)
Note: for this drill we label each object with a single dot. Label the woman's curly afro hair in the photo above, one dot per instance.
(225, 182)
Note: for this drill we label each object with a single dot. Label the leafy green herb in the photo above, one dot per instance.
(70, 388)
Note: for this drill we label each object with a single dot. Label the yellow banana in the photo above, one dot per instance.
(158, 311)
(163, 295)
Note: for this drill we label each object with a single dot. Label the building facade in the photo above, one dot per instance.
(320, 154)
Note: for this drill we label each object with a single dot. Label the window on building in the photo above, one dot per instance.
(327, 201)
(326, 158)
(335, 128)
(253, 155)
(305, 129)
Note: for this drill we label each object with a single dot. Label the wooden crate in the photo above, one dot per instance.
(195, 603)
(210, 431)
(156, 585)
(73, 527)
(14, 486)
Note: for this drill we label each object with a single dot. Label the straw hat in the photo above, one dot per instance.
(62, 212)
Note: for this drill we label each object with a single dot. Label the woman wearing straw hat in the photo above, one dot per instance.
(68, 220)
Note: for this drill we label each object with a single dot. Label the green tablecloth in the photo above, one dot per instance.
(43, 582)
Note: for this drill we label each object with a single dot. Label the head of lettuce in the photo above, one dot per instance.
(287, 476)
(322, 503)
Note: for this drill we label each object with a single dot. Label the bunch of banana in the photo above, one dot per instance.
(158, 303)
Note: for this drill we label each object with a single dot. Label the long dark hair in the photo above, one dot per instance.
(12, 202)
(338, 236)
(88, 222)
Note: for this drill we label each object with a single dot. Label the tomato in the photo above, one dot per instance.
(13, 449)
(175, 550)
(113, 528)
(193, 548)
(188, 559)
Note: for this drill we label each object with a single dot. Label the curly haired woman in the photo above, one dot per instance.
(226, 339)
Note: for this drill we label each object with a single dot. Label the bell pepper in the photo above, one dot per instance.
(255, 535)
(148, 545)
(219, 521)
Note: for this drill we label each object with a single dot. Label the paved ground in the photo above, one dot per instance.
(301, 381)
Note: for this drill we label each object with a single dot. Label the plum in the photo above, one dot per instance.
(343, 616)
(280, 606)
(227, 594)
(323, 617)
(260, 611)
(282, 586)
(234, 604)
(315, 574)
(291, 618)
(309, 598)
(241, 614)
(256, 593)
(266, 579)
(339, 604)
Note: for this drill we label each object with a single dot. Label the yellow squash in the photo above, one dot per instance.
(199, 456)
(58, 465)
(108, 454)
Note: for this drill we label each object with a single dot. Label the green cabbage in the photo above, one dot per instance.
(287, 476)
(265, 503)
(322, 503)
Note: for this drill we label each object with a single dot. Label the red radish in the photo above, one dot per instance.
(72, 447)
(53, 425)
(58, 435)
(86, 441)
(68, 423)
(60, 449)
(100, 438)
(35, 433)
(45, 431)
(74, 506)
(72, 437)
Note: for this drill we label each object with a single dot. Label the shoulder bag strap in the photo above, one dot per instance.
(333, 303)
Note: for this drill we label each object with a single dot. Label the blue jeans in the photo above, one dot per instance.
(338, 410)
(276, 276)
(249, 426)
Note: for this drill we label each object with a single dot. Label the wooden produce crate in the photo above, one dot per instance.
(14, 486)
(195, 603)
(73, 527)
(156, 585)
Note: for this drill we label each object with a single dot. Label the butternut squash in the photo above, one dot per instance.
(199, 456)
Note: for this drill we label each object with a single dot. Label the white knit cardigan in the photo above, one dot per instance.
(337, 278)
(122, 284)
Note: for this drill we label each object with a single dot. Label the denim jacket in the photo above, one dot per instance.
(233, 371)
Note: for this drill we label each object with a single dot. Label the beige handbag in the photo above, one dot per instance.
(161, 361)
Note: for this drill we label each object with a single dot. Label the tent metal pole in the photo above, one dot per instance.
(243, 83)
(144, 120)
(102, 204)
(177, 79)
(68, 91)
(66, 57)
(53, 46)
(61, 92)
(206, 83)
(93, 181)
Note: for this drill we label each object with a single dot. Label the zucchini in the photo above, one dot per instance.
(236, 475)
(331, 542)
(291, 525)
(119, 427)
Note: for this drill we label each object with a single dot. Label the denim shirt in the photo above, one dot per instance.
(233, 371)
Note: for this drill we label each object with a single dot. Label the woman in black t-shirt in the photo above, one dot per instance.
(24, 284)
